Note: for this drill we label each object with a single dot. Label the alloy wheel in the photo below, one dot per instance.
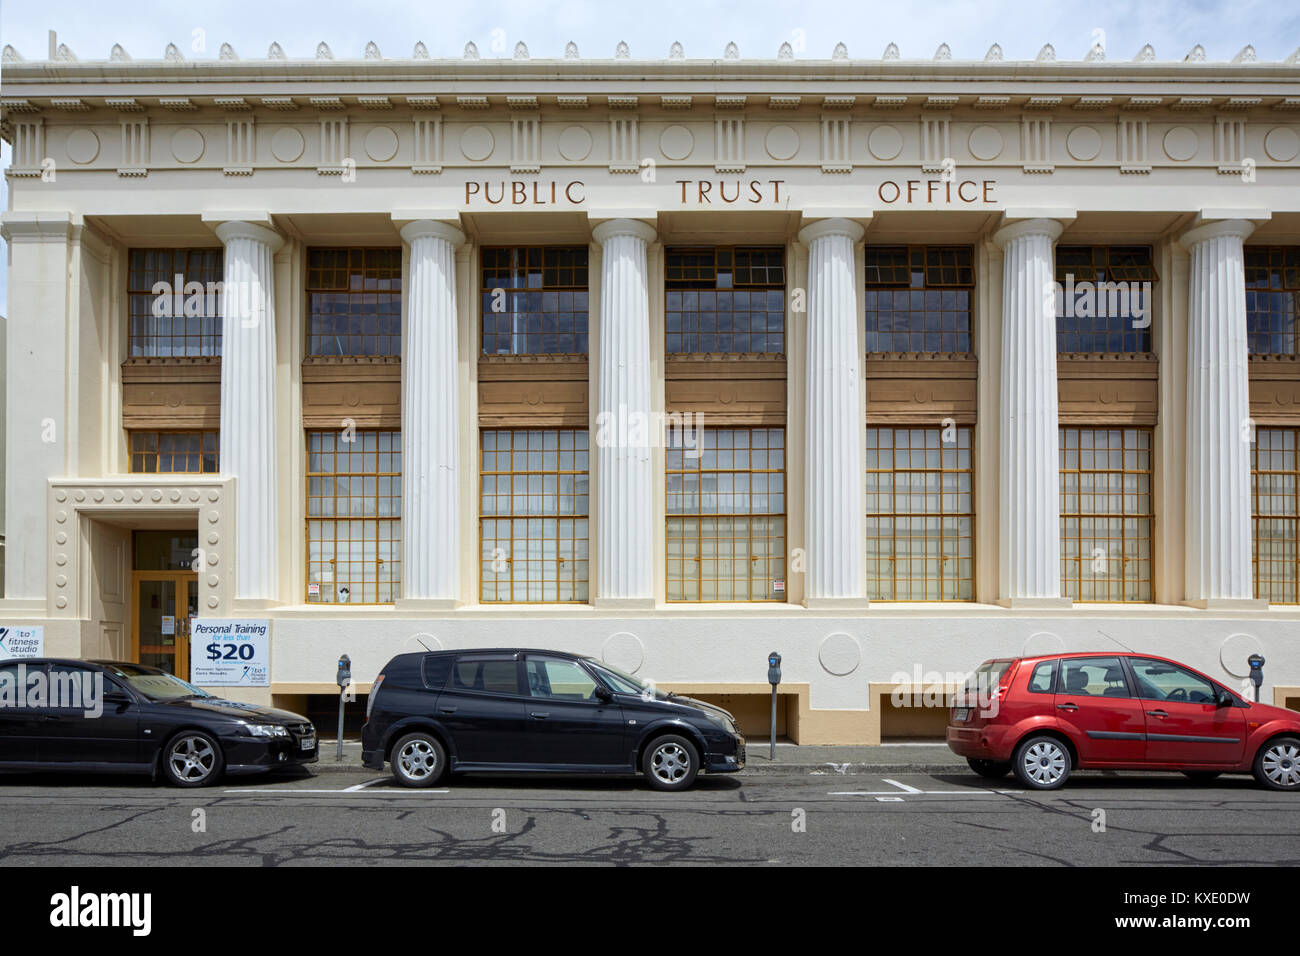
(1044, 762)
(192, 759)
(670, 762)
(417, 760)
(1281, 764)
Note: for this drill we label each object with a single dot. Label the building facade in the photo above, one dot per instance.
(888, 365)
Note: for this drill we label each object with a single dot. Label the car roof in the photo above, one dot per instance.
(1057, 655)
(487, 651)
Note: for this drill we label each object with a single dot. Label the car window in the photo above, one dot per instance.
(16, 682)
(492, 677)
(559, 680)
(1159, 680)
(1040, 681)
(74, 688)
(1093, 677)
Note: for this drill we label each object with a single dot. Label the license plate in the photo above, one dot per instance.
(309, 743)
(961, 715)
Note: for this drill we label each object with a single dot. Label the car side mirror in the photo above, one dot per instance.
(116, 698)
(603, 694)
(1225, 699)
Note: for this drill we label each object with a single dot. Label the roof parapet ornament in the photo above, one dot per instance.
(1247, 55)
(372, 51)
(118, 54)
(891, 52)
(10, 55)
(1294, 57)
(943, 53)
(676, 52)
(1096, 54)
(1047, 54)
(227, 52)
(841, 52)
(421, 52)
(521, 50)
(275, 52)
(1146, 55)
(731, 52)
(172, 54)
(64, 54)
(994, 55)
(786, 52)
(323, 51)
(621, 52)
(571, 50)
(471, 51)
(1195, 55)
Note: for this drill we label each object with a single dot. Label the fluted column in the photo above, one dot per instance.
(833, 426)
(248, 446)
(1217, 526)
(624, 516)
(1029, 457)
(430, 416)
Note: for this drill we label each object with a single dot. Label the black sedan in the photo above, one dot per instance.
(538, 711)
(127, 718)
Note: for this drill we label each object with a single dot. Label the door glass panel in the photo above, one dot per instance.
(1160, 681)
(559, 680)
(156, 610)
(1093, 677)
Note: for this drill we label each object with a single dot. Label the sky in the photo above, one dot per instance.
(704, 27)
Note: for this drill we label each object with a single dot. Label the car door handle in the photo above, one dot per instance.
(446, 710)
(1157, 713)
(1067, 706)
(540, 714)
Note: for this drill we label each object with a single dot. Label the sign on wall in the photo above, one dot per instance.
(22, 642)
(226, 652)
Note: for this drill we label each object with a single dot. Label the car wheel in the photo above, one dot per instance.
(1277, 765)
(670, 763)
(1202, 776)
(1042, 763)
(991, 769)
(192, 759)
(419, 760)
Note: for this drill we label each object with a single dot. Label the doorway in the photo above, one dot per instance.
(165, 598)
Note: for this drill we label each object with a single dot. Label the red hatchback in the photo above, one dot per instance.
(1042, 717)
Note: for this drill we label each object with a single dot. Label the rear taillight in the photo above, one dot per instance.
(374, 692)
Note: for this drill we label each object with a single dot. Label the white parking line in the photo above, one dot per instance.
(902, 786)
(357, 790)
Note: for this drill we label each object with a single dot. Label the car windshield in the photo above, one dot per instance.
(157, 685)
(625, 683)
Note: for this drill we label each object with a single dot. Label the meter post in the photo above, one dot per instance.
(773, 678)
(1256, 662)
(344, 678)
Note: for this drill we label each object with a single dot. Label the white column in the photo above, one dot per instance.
(248, 447)
(1217, 526)
(624, 515)
(834, 424)
(1029, 456)
(431, 416)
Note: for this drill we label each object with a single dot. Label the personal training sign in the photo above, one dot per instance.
(16, 642)
(227, 652)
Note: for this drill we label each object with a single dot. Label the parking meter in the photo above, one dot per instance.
(1256, 662)
(773, 678)
(344, 678)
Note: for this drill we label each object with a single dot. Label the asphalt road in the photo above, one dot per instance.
(824, 818)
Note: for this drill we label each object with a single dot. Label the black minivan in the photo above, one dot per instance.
(539, 711)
